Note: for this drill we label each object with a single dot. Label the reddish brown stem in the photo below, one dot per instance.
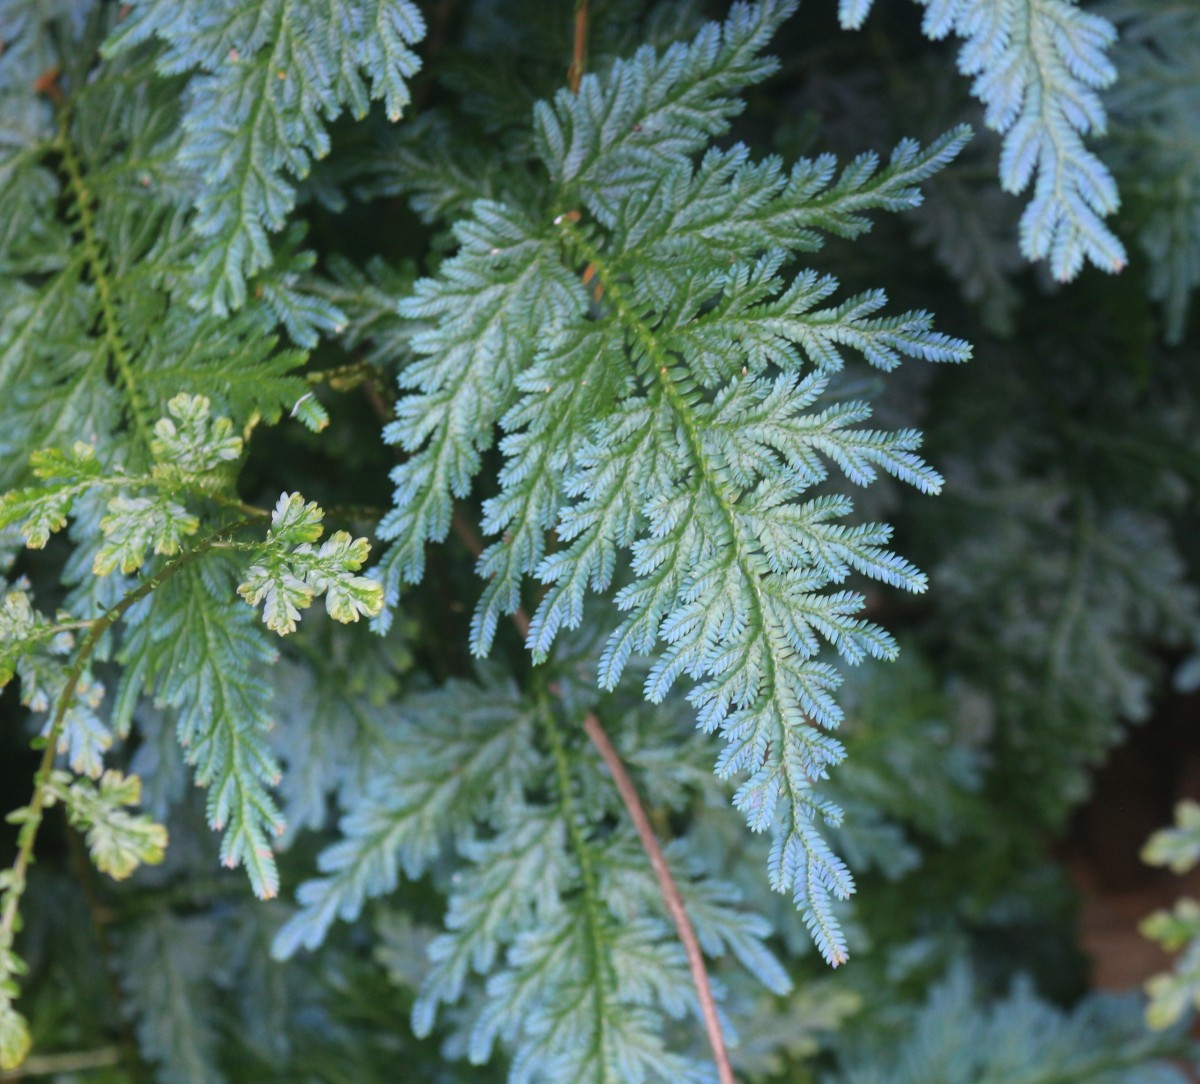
(672, 899)
(579, 53)
(670, 893)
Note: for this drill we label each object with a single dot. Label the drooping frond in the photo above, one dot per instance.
(1038, 67)
(266, 78)
(195, 649)
(1155, 143)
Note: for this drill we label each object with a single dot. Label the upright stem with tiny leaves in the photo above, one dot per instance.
(114, 339)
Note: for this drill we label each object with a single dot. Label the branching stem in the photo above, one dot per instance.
(73, 1062)
(32, 813)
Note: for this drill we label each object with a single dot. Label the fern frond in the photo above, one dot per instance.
(117, 840)
(506, 277)
(565, 923)
(170, 998)
(267, 79)
(1019, 1039)
(747, 633)
(482, 741)
(441, 175)
(1038, 68)
(654, 110)
(37, 650)
(724, 927)
(334, 690)
(514, 884)
(1156, 146)
(100, 334)
(193, 648)
(1173, 993)
(664, 416)
(570, 1024)
(585, 983)
(289, 572)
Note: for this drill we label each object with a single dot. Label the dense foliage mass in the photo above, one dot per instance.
(446, 433)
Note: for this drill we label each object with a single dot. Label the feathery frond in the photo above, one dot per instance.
(1038, 67)
(656, 377)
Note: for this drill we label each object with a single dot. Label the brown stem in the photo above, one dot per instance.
(377, 401)
(672, 899)
(465, 531)
(670, 893)
(579, 53)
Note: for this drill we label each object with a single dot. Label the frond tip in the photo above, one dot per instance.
(289, 572)
(1038, 67)
(262, 91)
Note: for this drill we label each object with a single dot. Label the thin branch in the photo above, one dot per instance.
(579, 53)
(344, 377)
(250, 511)
(77, 1062)
(672, 899)
(374, 392)
(465, 532)
(670, 893)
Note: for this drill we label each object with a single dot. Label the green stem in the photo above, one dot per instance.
(587, 873)
(662, 364)
(118, 350)
(250, 511)
(74, 1062)
(345, 377)
(71, 626)
(33, 812)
